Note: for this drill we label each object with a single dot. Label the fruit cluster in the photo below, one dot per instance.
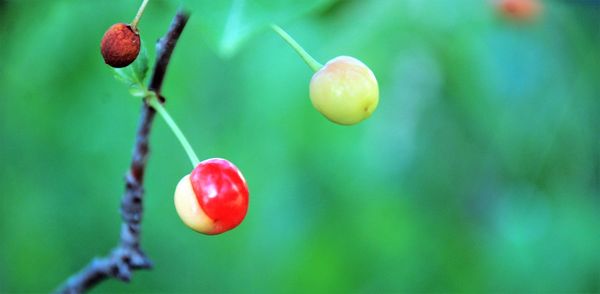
(214, 197)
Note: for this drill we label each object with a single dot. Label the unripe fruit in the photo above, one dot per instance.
(344, 90)
(520, 9)
(120, 45)
(212, 199)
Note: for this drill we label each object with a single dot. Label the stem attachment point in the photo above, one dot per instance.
(138, 16)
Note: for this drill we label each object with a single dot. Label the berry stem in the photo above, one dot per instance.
(138, 16)
(310, 61)
(152, 100)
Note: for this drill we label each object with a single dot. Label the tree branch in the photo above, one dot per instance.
(128, 256)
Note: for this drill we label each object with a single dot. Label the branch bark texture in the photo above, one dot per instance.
(128, 256)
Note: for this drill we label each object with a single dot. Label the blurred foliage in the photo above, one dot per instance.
(478, 172)
(226, 24)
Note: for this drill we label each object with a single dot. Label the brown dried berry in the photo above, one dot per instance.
(120, 45)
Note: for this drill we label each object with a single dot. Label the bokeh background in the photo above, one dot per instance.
(479, 171)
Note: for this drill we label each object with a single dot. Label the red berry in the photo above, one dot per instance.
(214, 198)
(520, 9)
(120, 45)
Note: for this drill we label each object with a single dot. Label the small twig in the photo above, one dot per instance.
(164, 49)
(127, 256)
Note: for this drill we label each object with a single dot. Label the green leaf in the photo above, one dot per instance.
(140, 65)
(228, 24)
(134, 74)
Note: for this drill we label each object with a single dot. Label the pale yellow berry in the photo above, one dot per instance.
(189, 209)
(345, 90)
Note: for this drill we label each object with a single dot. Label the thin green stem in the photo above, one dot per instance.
(310, 61)
(139, 14)
(152, 100)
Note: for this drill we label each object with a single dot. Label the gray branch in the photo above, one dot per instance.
(128, 256)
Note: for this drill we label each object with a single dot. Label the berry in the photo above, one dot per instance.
(520, 9)
(213, 198)
(120, 45)
(344, 90)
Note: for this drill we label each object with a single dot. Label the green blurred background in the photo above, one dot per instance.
(478, 172)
